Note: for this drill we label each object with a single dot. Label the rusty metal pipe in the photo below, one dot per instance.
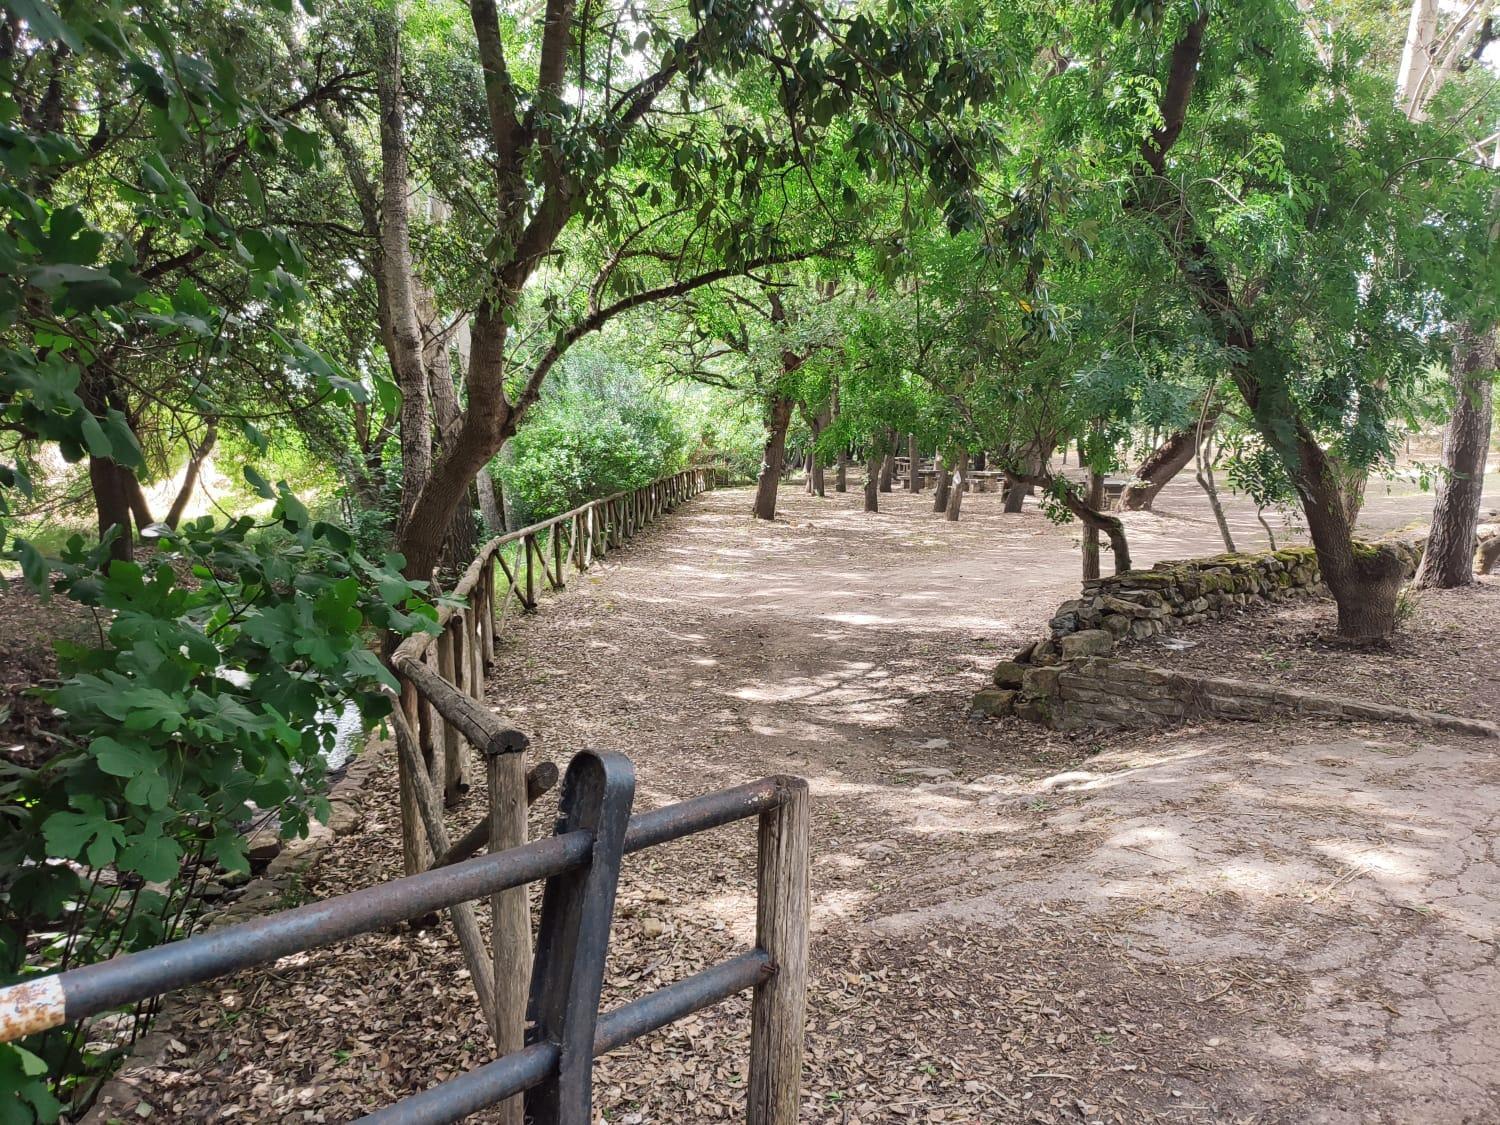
(504, 1078)
(48, 1001)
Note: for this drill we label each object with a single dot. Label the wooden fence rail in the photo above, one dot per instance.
(580, 863)
(441, 716)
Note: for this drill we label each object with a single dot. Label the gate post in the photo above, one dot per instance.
(779, 1011)
(573, 937)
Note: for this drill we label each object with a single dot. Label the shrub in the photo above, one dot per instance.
(212, 695)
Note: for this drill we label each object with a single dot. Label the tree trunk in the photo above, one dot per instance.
(939, 483)
(771, 462)
(817, 485)
(136, 497)
(1165, 462)
(1205, 475)
(979, 462)
(887, 471)
(404, 335)
(956, 489)
(1095, 500)
(841, 472)
(872, 483)
(913, 471)
(489, 507)
(1015, 493)
(1448, 560)
(190, 478)
(112, 501)
(1363, 580)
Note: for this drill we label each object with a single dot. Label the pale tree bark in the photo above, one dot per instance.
(1427, 61)
(404, 338)
(1448, 560)
(956, 488)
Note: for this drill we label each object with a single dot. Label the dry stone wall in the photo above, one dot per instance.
(1067, 680)
(1099, 693)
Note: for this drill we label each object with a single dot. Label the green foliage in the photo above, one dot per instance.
(602, 429)
(211, 698)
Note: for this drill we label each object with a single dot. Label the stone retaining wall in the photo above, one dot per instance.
(1099, 693)
(1139, 604)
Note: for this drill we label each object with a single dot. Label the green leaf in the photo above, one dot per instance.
(259, 483)
(34, 567)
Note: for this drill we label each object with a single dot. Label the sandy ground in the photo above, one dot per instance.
(1236, 923)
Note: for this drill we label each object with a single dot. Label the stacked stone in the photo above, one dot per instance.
(1139, 604)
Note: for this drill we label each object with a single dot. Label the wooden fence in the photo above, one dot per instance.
(441, 715)
(580, 863)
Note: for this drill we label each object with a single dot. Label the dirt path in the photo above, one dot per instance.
(1220, 924)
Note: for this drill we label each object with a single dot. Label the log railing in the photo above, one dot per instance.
(441, 719)
(580, 863)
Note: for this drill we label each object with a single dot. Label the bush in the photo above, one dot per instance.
(212, 696)
(602, 430)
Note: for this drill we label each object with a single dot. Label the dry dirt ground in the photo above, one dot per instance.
(1217, 924)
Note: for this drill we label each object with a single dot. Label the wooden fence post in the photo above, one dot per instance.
(487, 584)
(779, 1010)
(453, 756)
(528, 544)
(510, 916)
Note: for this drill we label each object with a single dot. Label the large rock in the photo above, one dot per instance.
(1087, 642)
(994, 702)
(1008, 674)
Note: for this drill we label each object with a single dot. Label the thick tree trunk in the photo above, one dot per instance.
(1363, 580)
(887, 471)
(956, 489)
(112, 502)
(1165, 462)
(1448, 561)
(872, 483)
(139, 508)
(1095, 500)
(1015, 493)
(771, 462)
(939, 483)
(841, 472)
(190, 477)
(489, 507)
(913, 468)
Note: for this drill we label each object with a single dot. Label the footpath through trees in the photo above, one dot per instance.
(1008, 924)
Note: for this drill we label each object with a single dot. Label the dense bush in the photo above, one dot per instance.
(602, 429)
(212, 698)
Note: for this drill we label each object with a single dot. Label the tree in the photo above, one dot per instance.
(1312, 296)
(1428, 62)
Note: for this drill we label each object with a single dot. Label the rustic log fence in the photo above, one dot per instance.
(580, 863)
(542, 1010)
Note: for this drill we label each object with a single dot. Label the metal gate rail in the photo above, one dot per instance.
(580, 863)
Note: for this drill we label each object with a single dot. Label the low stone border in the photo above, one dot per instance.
(118, 1099)
(1098, 693)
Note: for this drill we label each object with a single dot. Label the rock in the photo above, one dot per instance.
(652, 927)
(1008, 674)
(1087, 642)
(878, 850)
(344, 817)
(1117, 624)
(1041, 681)
(1024, 653)
(993, 702)
(935, 744)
